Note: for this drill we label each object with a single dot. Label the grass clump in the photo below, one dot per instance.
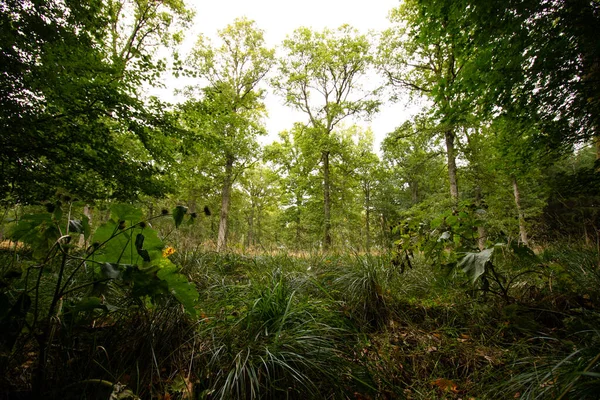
(274, 342)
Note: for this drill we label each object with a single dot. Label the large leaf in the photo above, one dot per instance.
(473, 264)
(179, 286)
(36, 230)
(125, 212)
(120, 247)
(178, 213)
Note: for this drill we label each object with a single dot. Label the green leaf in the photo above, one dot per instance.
(452, 220)
(125, 212)
(179, 286)
(436, 222)
(58, 213)
(178, 213)
(474, 264)
(121, 248)
(36, 230)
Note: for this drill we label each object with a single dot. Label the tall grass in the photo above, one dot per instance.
(268, 339)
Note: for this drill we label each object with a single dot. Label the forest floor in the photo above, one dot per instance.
(354, 327)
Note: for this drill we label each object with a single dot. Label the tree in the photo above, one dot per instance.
(135, 29)
(231, 105)
(425, 52)
(259, 186)
(540, 61)
(365, 167)
(319, 76)
(68, 120)
(294, 159)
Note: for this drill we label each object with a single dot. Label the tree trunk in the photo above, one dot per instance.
(250, 240)
(522, 230)
(225, 199)
(451, 165)
(298, 203)
(414, 191)
(368, 216)
(326, 202)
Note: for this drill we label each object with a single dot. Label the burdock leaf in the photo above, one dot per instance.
(178, 213)
(473, 264)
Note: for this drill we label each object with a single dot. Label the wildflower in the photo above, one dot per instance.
(168, 251)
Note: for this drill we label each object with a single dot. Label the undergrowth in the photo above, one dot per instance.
(327, 327)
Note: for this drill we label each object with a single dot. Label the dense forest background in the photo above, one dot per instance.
(316, 263)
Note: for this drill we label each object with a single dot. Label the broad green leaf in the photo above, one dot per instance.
(58, 212)
(120, 246)
(36, 230)
(179, 286)
(436, 222)
(178, 213)
(473, 264)
(125, 212)
(452, 220)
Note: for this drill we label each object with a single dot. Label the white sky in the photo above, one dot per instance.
(278, 19)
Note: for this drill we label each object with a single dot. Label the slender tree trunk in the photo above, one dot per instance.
(250, 239)
(225, 199)
(414, 191)
(451, 165)
(368, 217)
(522, 230)
(326, 202)
(298, 203)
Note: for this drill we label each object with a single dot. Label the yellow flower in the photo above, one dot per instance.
(168, 251)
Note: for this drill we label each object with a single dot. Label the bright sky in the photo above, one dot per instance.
(278, 18)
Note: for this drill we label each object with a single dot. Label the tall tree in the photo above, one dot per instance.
(232, 103)
(135, 29)
(259, 186)
(319, 76)
(540, 61)
(68, 120)
(294, 159)
(425, 52)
